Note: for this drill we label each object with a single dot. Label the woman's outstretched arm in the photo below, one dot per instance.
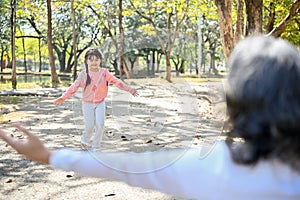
(178, 172)
(32, 147)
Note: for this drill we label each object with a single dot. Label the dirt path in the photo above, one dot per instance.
(163, 116)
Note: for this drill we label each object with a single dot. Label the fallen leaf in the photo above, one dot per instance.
(70, 174)
(109, 195)
(9, 180)
(197, 136)
(147, 141)
(124, 138)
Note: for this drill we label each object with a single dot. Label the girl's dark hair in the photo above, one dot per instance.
(263, 101)
(90, 53)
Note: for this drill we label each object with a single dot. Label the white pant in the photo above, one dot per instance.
(94, 116)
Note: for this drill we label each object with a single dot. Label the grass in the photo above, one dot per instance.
(160, 79)
(8, 86)
(152, 81)
(5, 103)
(7, 117)
(10, 100)
(181, 79)
(202, 80)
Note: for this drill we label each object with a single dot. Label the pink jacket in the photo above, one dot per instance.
(97, 90)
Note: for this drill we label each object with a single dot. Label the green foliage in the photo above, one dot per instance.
(100, 29)
(5, 25)
(280, 9)
(33, 85)
(10, 100)
(292, 33)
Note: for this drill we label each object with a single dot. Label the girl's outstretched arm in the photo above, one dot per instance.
(58, 101)
(120, 84)
(32, 147)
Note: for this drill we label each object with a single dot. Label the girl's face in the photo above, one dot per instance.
(93, 63)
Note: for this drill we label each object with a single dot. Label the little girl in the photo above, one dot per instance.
(94, 81)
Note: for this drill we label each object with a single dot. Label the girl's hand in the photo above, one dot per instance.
(31, 147)
(58, 101)
(134, 92)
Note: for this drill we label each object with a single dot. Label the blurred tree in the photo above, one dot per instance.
(282, 19)
(165, 17)
(4, 33)
(54, 76)
(13, 6)
(288, 14)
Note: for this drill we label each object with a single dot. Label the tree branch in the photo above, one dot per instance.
(278, 30)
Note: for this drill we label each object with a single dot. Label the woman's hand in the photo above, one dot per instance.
(31, 147)
(58, 101)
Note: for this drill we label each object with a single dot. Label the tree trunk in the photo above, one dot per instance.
(181, 68)
(121, 46)
(146, 58)
(239, 21)
(254, 16)
(213, 63)
(61, 51)
(54, 75)
(40, 55)
(168, 66)
(24, 54)
(158, 58)
(271, 17)
(132, 61)
(153, 63)
(225, 23)
(115, 65)
(74, 40)
(13, 5)
(176, 62)
(2, 58)
(126, 70)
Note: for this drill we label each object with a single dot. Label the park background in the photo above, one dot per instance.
(139, 39)
(174, 52)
